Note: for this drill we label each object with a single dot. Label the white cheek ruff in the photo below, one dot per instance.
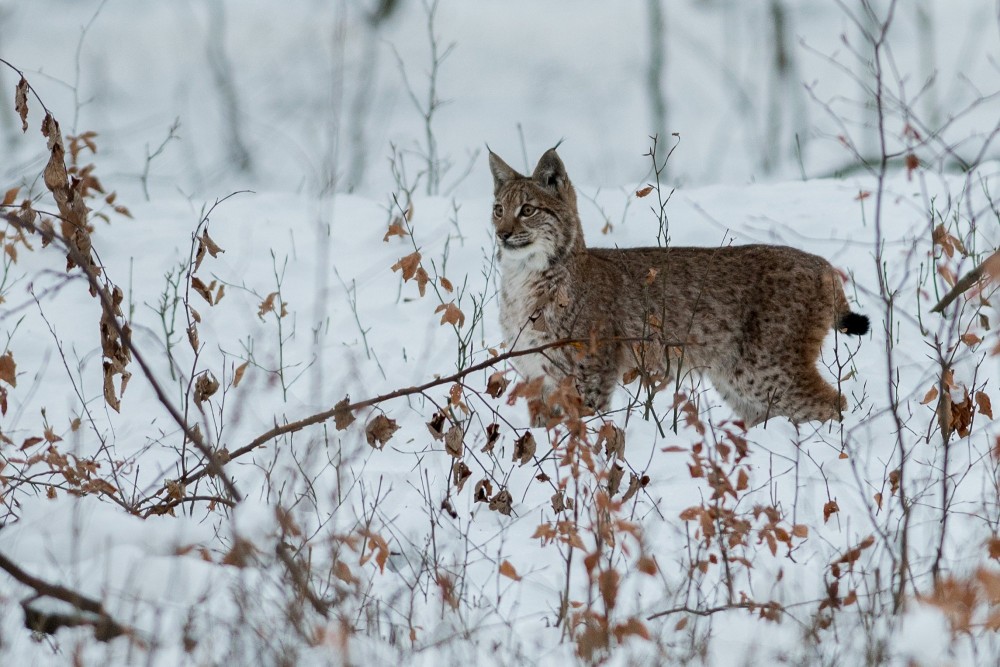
(527, 259)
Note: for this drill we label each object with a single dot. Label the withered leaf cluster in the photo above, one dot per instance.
(70, 187)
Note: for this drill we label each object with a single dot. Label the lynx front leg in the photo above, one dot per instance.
(595, 379)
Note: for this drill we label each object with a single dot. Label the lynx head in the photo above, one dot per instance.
(535, 217)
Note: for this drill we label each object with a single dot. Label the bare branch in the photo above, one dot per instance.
(105, 627)
(989, 266)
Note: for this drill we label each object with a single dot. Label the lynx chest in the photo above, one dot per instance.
(526, 308)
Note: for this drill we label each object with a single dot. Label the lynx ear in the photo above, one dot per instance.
(550, 172)
(502, 172)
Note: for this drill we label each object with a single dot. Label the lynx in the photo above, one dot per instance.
(751, 318)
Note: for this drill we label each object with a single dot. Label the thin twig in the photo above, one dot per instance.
(213, 464)
(326, 415)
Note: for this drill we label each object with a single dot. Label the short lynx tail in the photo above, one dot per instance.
(853, 324)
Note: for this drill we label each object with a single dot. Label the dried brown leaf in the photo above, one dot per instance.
(984, 404)
(961, 415)
(8, 369)
(507, 570)
(459, 474)
(647, 565)
(452, 314)
(21, 102)
(947, 274)
(210, 245)
(613, 439)
(199, 255)
(342, 414)
(483, 491)
(993, 545)
(607, 584)
(55, 175)
(524, 448)
(931, 394)
(266, 306)
(241, 554)
(380, 430)
(205, 387)
(408, 265)
(492, 436)
(497, 384)
(501, 502)
(772, 543)
(11, 195)
(343, 572)
(436, 425)
(109, 388)
(558, 501)
(453, 440)
(615, 478)
(633, 487)
(642, 192)
(395, 229)
(422, 279)
(31, 442)
(201, 288)
(894, 480)
(742, 480)
(238, 374)
(632, 626)
(970, 339)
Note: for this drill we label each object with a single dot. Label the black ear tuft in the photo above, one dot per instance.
(550, 172)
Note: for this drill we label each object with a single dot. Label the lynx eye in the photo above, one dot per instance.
(527, 210)
(497, 211)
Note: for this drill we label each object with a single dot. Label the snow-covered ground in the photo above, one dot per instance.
(400, 565)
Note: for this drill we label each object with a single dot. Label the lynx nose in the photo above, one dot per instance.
(503, 235)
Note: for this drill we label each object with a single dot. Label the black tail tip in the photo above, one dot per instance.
(854, 324)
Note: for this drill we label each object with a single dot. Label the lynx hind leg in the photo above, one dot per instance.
(795, 389)
(811, 398)
(743, 403)
(757, 394)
